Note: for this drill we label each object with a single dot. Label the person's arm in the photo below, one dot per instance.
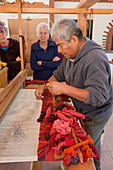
(15, 63)
(58, 88)
(39, 92)
(33, 61)
(52, 64)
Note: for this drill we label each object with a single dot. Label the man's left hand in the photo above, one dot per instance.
(55, 87)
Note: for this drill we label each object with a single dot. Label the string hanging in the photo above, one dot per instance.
(90, 22)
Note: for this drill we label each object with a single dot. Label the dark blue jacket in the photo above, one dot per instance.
(44, 71)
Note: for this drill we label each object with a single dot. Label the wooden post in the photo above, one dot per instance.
(82, 22)
(36, 165)
(82, 18)
(20, 33)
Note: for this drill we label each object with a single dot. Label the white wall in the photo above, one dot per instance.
(99, 21)
(6, 16)
(99, 24)
(65, 5)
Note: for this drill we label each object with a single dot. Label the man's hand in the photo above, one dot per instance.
(39, 92)
(18, 59)
(56, 88)
(56, 58)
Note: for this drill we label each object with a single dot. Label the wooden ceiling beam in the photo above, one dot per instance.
(86, 3)
(31, 10)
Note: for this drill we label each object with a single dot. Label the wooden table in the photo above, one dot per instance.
(19, 131)
(19, 128)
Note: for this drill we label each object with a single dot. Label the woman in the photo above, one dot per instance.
(9, 52)
(44, 55)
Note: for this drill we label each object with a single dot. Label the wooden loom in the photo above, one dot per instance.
(82, 10)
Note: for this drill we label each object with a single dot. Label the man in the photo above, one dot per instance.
(9, 52)
(86, 73)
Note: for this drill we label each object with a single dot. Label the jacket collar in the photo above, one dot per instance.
(50, 43)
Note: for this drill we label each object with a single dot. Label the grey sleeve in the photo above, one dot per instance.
(98, 82)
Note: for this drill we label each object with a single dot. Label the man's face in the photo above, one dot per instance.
(68, 49)
(3, 36)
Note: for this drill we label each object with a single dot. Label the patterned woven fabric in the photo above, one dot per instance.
(62, 136)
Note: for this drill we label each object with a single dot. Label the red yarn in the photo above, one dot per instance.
(67, 160)
(48, 112)
(61, 127)
(58, 149)
(69, 142)
(59, 133)
(96, 156)
(74, 113)
(85, 157)
(62, 117)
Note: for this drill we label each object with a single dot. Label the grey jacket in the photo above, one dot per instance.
(90, 70)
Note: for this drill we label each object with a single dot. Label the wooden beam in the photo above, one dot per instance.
(20, 33)
(5, 9)
(82, 22)
(10, 90)
(86, 3)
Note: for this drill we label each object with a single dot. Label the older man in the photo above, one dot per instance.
(86, 73)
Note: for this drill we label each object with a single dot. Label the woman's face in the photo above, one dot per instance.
(43, 34)
(3, 36)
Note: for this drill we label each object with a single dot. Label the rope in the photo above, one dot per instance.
(90, 22)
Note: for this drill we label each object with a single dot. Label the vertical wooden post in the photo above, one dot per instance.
(36, 165)
(82, 22)
(20, 33)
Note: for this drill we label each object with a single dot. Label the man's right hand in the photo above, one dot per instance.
(39, 92)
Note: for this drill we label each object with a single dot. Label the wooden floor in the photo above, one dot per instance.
(107, 155)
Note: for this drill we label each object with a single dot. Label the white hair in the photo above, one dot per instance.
(41, 25)
(64, 29)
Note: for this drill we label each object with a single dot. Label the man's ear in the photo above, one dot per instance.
(74, 39)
